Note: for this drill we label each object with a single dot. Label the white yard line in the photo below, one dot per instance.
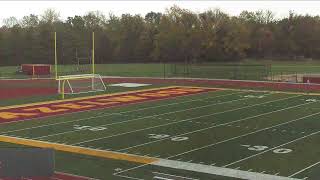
(128, 177)
(174, 175)
(207, 115)
(152, 116)
(201, 168)
(129, 169)
(210, 127)
(304, 169)
(107, 114)
(118, 113)
(237, 137)
(217, 172)
(207, 169)
(295, 140)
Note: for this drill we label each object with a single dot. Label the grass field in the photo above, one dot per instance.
(161, 70)
(223, 134)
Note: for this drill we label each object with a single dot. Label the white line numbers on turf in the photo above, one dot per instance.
(311, 100)
(172, 138)
(262, 148)
(253, 96)
(90, 128)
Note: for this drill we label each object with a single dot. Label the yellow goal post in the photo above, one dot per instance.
(91, 63)
(81, 83)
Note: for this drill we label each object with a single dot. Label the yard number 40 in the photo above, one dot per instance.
(161, 136)
(90, 128)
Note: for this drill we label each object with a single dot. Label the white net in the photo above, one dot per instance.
(84, 83)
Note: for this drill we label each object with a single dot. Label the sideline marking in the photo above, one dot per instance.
(157, 115)
(267, 91)
(29, 111)
(169, 176)
(218, 125)
(217, 170)
(104, 114)
(81, 98)
(268, 150)
(78, 150)
(304, 169)
(186, 120)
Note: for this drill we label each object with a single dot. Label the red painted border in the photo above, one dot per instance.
(100, 102)
(281, 86)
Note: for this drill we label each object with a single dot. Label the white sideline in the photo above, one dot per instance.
(281, 145)
(217, 170)
(110, 114)
(174, 176)
(243, 135)
(156, 115)
(185, 120)
(223, 124)
(212, 79)
(304, 169)
(136, 167)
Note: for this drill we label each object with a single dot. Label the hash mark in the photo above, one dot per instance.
(244, 145)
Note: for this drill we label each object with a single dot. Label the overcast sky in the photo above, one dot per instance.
(71, 8)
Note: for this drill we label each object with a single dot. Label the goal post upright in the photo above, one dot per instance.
(92, 59)
(93, 63)
(83, 82)
(55, 56)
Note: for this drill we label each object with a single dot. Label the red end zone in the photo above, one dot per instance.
(31, 111)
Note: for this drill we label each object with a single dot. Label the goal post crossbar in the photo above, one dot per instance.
(78, 76)
(95, 84)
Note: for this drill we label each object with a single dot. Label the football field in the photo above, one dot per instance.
(175, 133)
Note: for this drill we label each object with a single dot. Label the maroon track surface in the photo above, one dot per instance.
(25, 92)
(222, 83)
(24, 88)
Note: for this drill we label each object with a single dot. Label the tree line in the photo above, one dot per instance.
(178, 35)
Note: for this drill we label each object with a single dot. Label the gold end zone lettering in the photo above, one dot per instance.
(30, 111)
(94, 103)
(73, 106)
(155, 94)
(173, 92)
(107, 102)
(190, 89)
(126, 98)
(13, 115)
(169, 92)
(45, 110)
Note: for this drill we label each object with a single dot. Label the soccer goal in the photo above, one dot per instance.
(82, 83)
(85, 80)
